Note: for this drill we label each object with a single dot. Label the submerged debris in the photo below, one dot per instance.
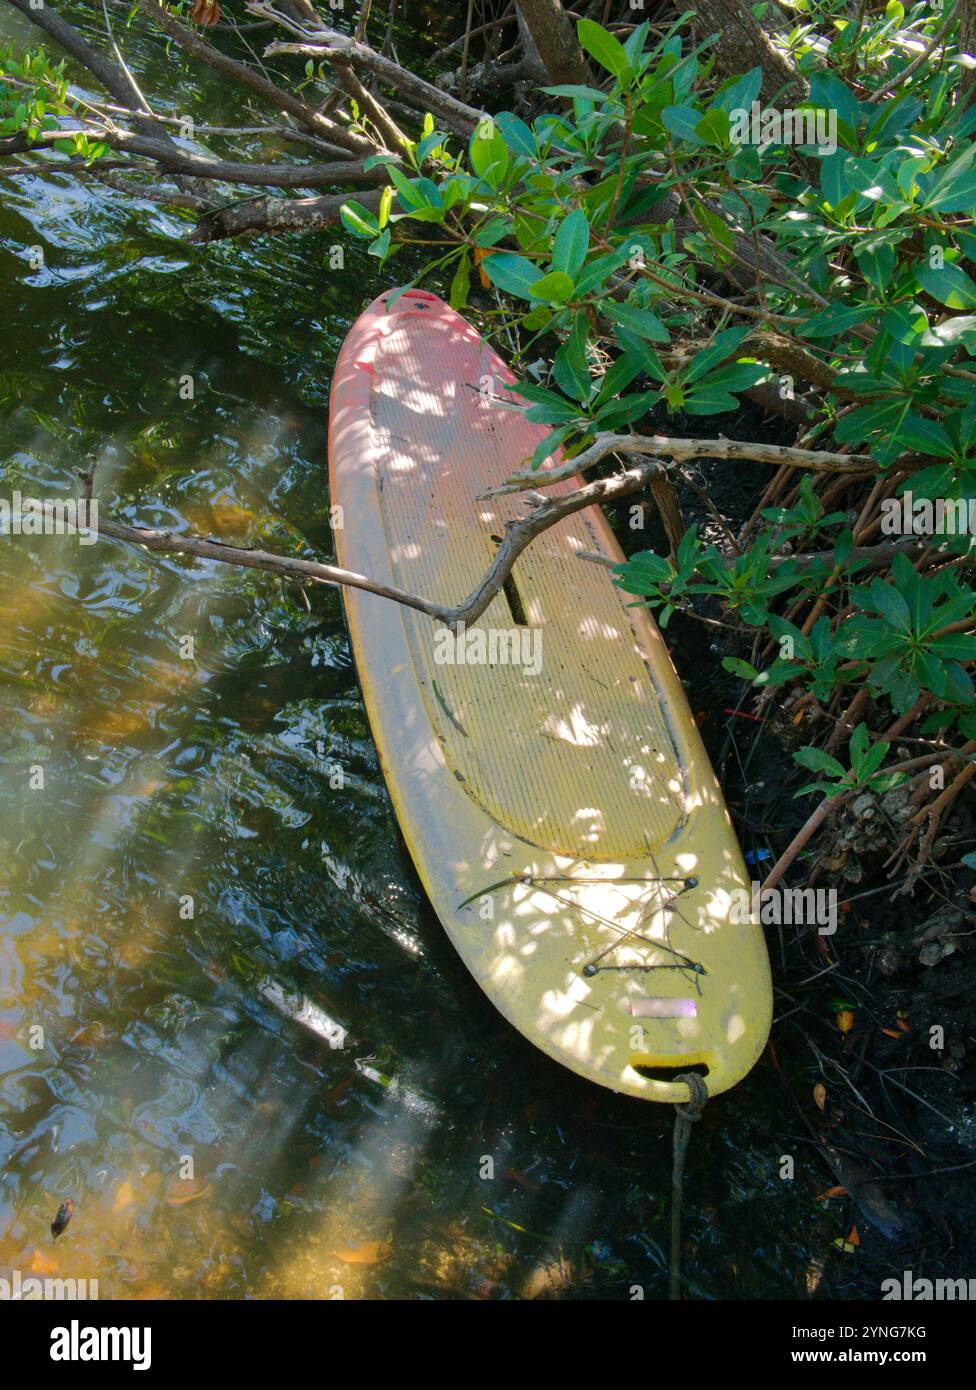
(60, 1223)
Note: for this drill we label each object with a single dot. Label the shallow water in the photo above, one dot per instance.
(300, 1035)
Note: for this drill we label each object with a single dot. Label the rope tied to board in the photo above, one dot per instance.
(684, 1117)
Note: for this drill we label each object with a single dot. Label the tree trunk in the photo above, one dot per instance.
(554, 34)
(744, 44)
(967, 44)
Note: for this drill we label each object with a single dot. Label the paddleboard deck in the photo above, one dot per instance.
(544, 766)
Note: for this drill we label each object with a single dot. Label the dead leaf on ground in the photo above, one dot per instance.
(367, 1252)
(206, 13)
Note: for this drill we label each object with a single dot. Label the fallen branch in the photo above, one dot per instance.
(871, 557)
(680, 449)
(331, 46)
(255, 215)
(181, 161)
(248, 77)
(518, 536)
(390, 132)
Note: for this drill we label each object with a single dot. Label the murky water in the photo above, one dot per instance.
(189, 878)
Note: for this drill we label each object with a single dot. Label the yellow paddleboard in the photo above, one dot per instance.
(544, 766)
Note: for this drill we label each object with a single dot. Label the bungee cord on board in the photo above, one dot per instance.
(593, 967)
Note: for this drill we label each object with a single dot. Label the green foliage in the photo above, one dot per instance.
(566, 211)
(864, 772)
(34, 98)
(869, 207)
(900, 636)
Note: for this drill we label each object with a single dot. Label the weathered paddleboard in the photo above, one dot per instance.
(545, 769)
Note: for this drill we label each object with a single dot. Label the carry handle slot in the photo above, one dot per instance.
(512, 597)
